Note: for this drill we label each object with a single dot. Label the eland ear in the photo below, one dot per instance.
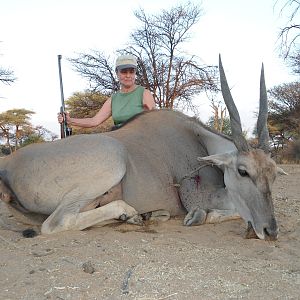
(218, 159)
(281, 171)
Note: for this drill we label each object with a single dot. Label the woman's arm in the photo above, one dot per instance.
(148, 100)
(102, 115)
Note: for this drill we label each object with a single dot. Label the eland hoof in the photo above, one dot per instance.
(196, 216)
(135, 220)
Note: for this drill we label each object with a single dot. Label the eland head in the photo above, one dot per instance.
(249, 173)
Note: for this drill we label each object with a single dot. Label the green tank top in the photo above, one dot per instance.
(126, 105)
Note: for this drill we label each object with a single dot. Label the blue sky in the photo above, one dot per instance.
(34, 32)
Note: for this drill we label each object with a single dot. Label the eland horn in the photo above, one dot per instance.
(235, 121)
(262, 127)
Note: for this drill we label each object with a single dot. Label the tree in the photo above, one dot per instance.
(87, 104)
(37, 134)
(6, 75)
(289, 34)
(219, 121)
(284, 116)
(5, 127)
(14, 124)
(172, 76)
(45, 134)
(222, 126)
(219, 115)
(98, 70)
(31, 139)
(17, 131)
(293, 151)
(285, 108)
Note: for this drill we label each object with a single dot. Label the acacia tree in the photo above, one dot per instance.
(37, 134)
(14, 124)
(5, 131)
(17, 131)
(284, 116)
(172, 76)
(87, 104)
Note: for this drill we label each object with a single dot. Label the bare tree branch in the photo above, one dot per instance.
(98, 70)
(7, 76)
(289, 34)
(172, 76)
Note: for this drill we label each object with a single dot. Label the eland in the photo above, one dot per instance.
(161, 163)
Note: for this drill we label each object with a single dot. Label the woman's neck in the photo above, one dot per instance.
(125, 89)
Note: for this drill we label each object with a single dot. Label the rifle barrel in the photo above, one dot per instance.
(61, 83)
(63, 125)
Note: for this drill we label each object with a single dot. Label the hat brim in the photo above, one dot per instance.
(129, 66)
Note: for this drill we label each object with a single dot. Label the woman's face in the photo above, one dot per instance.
(127, 77)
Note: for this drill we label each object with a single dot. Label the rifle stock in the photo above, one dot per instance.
(64, 129)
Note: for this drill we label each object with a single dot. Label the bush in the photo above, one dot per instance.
(4, 150)
(288, 155)
(292, 153)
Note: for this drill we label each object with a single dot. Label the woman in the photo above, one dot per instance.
(124, 104)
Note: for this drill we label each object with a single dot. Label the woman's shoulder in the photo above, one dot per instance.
(140, 88)
(147, 92)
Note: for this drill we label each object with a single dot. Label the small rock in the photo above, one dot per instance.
(88, 267)
(29, 233)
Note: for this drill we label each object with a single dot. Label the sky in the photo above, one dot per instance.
(34, 32)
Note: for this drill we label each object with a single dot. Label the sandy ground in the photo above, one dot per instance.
(159, 261)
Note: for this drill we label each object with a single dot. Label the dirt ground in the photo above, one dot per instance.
(159, 261)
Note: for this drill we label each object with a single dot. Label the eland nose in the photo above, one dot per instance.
(271, 230)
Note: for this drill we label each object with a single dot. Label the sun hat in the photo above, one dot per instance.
(125, 62)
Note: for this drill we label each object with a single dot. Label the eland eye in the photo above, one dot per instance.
(243, 173)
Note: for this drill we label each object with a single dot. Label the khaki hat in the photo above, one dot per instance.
(125, 62)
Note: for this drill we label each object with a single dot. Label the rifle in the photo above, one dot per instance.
(64, 129)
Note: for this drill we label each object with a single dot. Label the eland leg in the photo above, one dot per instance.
(62, 219)
(157, 215)
(198, 216)
(218, 215)
(153, 216)
(205, 205)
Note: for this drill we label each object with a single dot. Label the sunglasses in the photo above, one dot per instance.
(129, 70)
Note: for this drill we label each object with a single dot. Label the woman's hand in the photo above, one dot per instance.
(60, 117)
